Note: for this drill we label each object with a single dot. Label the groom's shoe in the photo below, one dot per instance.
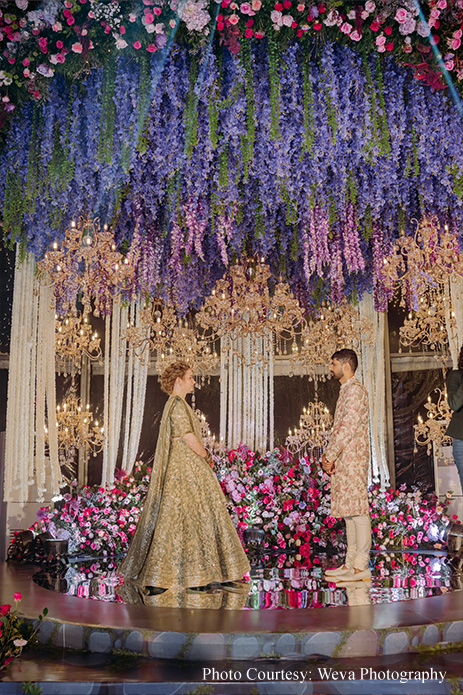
(338, 571)
(353, 576)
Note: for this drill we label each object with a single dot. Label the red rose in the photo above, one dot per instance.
(389, 46)
(278, 6)
(435, 39)
(294, 25)
(374, 26)
(248, 33)
(220, 26)
(388, 30)
(317, 26)
(286, 4)
(4, 609)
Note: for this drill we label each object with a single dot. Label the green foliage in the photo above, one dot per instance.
(191, 112)
(309, 126)
(108, 111)
(247, 141)
(29, 688)
(273, 65)
(202, 690)
(15, 633)
(144, 101)
(457, 186)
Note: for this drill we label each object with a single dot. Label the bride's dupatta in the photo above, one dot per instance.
(132, 566)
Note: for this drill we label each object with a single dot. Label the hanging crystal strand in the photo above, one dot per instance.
(129, 395)
(104, 476)
(271, 395)
(265, 348)
(231, 383)
(223, 390)
(42, 350)
(31, 386)
(247, 434)
(239, 392)
(253, 418)
(50, 394)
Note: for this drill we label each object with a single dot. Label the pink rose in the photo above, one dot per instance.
(370, 6)
(149, 18)
(151, 48)
(449, 64)
(401, 15)
(137, 45)
(454, 43)
(442, 4)
(245, 8)
(121, 43)
(380, 40)
(355, 36)
(234, 19)
(76, 47)
(26, 62)
(157, 11)
(458, 34)
(256, 5)
(17, 596)
(259, 34)
(346, 28)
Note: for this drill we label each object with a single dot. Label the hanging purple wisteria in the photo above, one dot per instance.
(315, 160)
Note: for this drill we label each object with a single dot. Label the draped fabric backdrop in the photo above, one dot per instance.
(456, 338)
(246, 392)
(31, 387)
(137, 375)
(372, 374)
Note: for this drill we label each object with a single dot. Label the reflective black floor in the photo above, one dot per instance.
(394, 577)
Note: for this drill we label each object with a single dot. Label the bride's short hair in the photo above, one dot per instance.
(171, 373)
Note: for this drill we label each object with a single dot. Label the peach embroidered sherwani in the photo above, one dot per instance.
(349, 449)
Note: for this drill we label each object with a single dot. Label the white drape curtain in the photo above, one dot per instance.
(114, 378)
(137, 376)
(31, 388)
(246, 392)
(372, 373)
(456, 305)
(116, 383)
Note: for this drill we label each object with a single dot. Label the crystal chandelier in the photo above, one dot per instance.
(242, 305)
(87, 267)
(330, 328)
(76, 430)
(74, 339)
(437, 420)
(427, 258)
(172, 339)
(313, 433)
(430, 324)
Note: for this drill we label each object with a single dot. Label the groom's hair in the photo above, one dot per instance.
(346, 355)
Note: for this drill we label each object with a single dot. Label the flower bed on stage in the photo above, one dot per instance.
(289, 499)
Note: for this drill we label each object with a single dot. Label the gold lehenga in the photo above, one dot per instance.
(185, 536)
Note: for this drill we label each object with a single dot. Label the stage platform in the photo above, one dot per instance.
(194, 634)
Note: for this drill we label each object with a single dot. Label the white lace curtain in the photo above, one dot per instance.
(372, 370)
(246, 392)
(31, 389)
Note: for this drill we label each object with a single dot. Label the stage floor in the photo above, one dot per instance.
(190, 634)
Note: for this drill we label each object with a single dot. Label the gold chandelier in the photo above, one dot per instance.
(76, 430)
(430, 324)
(87, 267)
(437, 420)
(330, 328)
(74, 339)
(428, 258)
(314, 430)
(171, 339)
(241, 305)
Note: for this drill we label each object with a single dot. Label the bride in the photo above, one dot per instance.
(184, 537)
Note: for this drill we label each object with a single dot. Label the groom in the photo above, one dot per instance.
(346, 459)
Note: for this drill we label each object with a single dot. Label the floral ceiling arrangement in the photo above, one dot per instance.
(39, 40)
(312, 159)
